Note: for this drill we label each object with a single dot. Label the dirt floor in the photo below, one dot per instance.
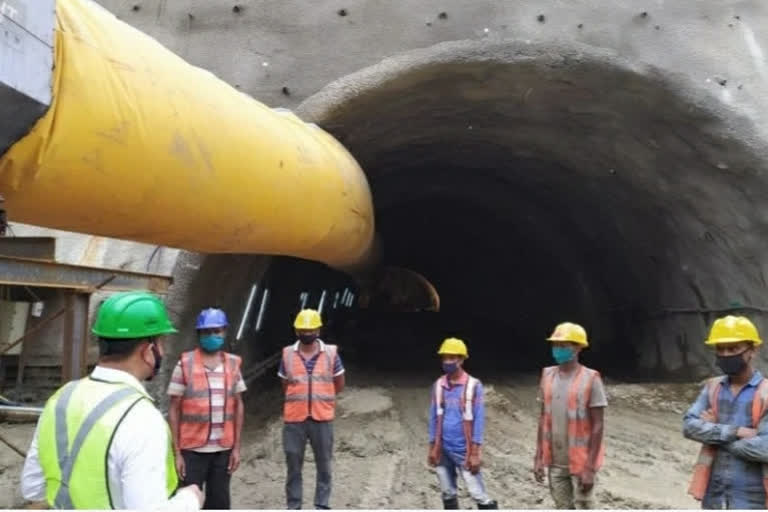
(380, 459)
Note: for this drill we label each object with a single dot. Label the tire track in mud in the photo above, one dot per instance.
(647, 459)
(381, 444)
(415, 485)
(510, 445)
(378, 489)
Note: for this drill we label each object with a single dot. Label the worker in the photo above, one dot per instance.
(456, 424)
(312, 375)
(100, 442)
(729, 419)
(570, 435)
(206, 411)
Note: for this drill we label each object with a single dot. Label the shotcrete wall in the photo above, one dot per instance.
(621, 146)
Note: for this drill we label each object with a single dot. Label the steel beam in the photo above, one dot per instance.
(34, 247)
(75, 346)
(31, 272)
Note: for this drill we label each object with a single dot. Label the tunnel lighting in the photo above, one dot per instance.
(321, 303)
(336, 297)
(247, 311)
(303, 297)
(344, 296)
(262, 308)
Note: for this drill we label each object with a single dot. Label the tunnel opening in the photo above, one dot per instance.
(534, 184)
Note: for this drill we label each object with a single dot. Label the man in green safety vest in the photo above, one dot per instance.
(100, 442)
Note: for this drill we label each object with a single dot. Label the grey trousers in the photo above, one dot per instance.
(320, 436)
(566, 490)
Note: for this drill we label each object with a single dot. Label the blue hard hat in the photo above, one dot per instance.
(211, 318)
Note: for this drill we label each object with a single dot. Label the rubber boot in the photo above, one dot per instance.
(491, 505)
(451, 504)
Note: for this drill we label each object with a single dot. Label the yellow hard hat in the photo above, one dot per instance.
(308, 319)
(453, 347)
(570, 333)
(733, 329)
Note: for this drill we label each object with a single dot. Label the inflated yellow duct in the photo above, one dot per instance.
(140, 145)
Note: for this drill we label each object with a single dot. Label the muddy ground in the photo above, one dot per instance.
(381, 455)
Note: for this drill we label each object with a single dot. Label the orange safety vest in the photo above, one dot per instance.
(466, 403)
(309, 396)
(195, 422)
(702, 470)
(579, 424)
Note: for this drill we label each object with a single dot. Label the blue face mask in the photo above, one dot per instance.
(211, 342)
(563, 355)
(449, 368)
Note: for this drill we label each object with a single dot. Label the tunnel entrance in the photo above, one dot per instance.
(535, 184)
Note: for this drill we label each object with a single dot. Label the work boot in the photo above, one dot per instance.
(491, 505)
(451, 504)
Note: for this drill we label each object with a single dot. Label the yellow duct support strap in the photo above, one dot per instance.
(140, 145)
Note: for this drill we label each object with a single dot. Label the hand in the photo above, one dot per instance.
(433, 456)
(538, 472)
(234, 461)
(473, 463)
(746, 433)
(709, 416)
(194, 489)
(587, 480)
(181, 469)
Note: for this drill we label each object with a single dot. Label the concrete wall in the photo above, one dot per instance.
(263, 46)
(693, 70)
(712, 53)
(97, 251)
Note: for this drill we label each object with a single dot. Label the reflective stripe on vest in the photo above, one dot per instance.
(76, 430)
(195, 422)
(466, 403)
(702, 470)
(309, 396)
(579, 422)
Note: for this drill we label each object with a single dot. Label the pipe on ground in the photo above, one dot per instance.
(19, 413)
(138, 144)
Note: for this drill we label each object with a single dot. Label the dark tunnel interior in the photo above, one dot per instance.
(509, 259)
(532, 189)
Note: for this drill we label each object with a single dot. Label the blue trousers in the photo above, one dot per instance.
(452, 463)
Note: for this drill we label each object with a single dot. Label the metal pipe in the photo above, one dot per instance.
(259, 370)
(247, 311)
(20, 413)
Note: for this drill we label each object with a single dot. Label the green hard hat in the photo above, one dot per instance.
(129, 315)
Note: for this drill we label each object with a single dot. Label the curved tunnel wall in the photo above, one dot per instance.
(283, 51)
(537, 183)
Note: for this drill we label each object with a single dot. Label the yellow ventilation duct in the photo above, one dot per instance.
(138, 144)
